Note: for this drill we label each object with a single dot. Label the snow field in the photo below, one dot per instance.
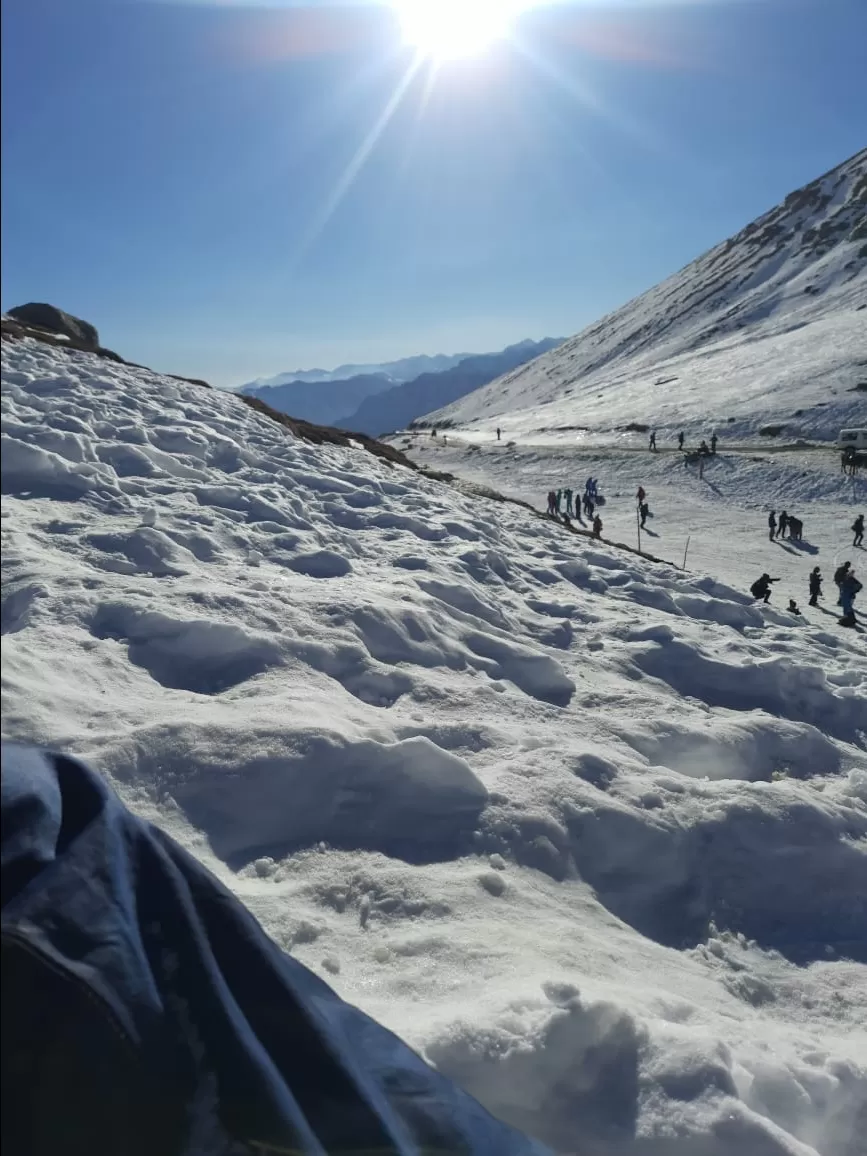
(588, 831)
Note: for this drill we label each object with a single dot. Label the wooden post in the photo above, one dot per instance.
(638, 525)
(685, 549)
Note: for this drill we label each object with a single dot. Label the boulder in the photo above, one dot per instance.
(81, 334)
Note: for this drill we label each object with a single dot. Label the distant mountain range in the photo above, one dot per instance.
(380, 398)
(404, 369)
(395, 408)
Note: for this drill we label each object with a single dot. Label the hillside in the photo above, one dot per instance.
(395, 408)
(767, 323)
(587, 830)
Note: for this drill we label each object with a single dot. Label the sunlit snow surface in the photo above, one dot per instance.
(586, 830)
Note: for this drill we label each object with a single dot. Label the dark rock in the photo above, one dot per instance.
(81, 334)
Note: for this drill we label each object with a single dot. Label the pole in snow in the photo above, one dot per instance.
(638, 526)
(685, 549)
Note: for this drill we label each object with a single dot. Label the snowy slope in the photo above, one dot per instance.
(589, 831)
(779, 306)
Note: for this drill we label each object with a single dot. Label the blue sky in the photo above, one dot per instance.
(168, 168)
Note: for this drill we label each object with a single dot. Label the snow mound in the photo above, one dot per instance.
(588, 831)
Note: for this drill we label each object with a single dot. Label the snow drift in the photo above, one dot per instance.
(587, 831)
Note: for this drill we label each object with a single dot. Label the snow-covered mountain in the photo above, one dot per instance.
(404, 369)
(587, 830)
(779, 304)
(395, 408)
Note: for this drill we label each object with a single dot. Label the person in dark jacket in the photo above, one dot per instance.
(652, 445)
(796, 529)
(498, 433)
(793, 607)
(761, 588)
(597, 527)
(839, 574)
(783, 524)
(849, 587)
(640, 495)
(146, 1012)
(815, 586)
(858, 530)
(713, 441)
(643, 510)
(772, 524)
(680, 440)
(552, 503)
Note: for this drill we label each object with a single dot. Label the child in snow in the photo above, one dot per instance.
(815, 586)
(793, 607)
(597, 527)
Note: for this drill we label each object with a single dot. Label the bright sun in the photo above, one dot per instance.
(450, 28)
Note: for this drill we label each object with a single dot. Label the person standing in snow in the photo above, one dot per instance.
(589, 506)
(784, 524)
(761, 588)
(840, 574)
(498, 433)
(680, 440)
(558, 498)
(597, 527)
(652, 446)
(643, 511)
(849, 587)
(858, 530)
(815, 586)
(640, 495)
(552, 503)
(772, 525)
(713, 441)
(567, 494)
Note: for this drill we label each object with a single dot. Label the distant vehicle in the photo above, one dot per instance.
(855, 439)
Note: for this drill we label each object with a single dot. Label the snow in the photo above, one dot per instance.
(587, 830)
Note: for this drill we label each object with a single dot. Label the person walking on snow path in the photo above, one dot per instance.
(784, 524)
(641, 495)
(652, 445)
(643, 511)
(815, 586)
(597, 527)
(772, 525)
(858, 530)
(680, 440)
(713, 441)
(761, 588)
(849, 587)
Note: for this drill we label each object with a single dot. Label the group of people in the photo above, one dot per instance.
(703, 448)
(777, 528)
(844, 579)
(567, 504)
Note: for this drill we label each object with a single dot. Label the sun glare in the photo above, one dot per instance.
(446, 29)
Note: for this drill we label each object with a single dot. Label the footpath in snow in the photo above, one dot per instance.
(587, 831)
